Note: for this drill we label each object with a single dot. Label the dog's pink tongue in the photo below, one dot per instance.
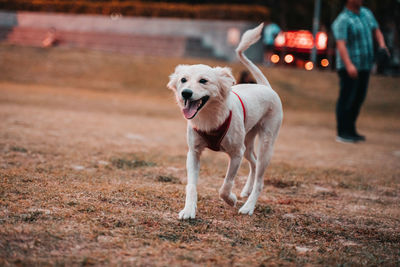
(189, 110)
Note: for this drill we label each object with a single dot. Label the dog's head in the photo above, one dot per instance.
(198, 86)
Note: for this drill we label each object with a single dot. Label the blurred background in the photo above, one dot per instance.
(195, 29)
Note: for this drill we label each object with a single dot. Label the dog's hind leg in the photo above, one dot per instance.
(225, 192)
(266, 143)
(252, 159)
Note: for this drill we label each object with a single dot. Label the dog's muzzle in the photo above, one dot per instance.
(192, 107)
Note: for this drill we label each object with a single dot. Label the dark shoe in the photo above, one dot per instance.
(360, 138)
(344, 138)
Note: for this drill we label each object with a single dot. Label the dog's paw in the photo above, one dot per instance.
(230, 199)
(247, 209)
(187, 214)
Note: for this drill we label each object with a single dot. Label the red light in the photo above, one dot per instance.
(324, 63)
(309, 65)
(280, 40)
(289, 58)
(301, 40)
(322, 40)
(274, 58)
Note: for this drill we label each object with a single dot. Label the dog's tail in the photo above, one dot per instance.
(248, 38)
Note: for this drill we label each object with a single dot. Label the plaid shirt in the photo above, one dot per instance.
(356, 31)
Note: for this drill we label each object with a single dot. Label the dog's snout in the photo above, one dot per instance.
(187, 93)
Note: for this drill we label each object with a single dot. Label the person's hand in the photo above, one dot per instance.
(352, 71)
(386, 50)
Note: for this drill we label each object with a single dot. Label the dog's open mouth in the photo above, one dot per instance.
(192, 107)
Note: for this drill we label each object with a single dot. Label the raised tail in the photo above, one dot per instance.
(248, 38)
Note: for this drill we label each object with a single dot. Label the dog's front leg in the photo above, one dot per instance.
(193, 167)
(225, 192)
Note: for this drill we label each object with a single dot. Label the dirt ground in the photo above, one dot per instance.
(91, 175)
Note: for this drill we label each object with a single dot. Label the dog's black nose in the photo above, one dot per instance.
(187, 93)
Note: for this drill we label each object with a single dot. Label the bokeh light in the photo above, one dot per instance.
(324, 63)
(289, 58)
(309, 65)
(275, 58)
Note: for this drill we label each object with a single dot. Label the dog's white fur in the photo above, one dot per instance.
(263, 119)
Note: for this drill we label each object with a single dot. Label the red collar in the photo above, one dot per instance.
(214, 138)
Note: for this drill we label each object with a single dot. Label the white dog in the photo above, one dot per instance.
(227, 117)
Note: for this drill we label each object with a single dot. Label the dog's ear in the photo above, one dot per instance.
(173, 78)
(226, 79)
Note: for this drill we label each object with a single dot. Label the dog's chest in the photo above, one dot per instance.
(214, 138)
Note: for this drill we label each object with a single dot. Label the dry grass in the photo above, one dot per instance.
(92, 171)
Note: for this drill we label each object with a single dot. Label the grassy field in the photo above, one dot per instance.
(92, 171)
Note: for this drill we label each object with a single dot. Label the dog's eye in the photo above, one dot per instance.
(203, 81)
(183, 80)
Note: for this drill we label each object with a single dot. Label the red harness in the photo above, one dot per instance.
(214, 137)
(244, 109)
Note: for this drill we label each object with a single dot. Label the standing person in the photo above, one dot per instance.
(354, 29)
(271, 30)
